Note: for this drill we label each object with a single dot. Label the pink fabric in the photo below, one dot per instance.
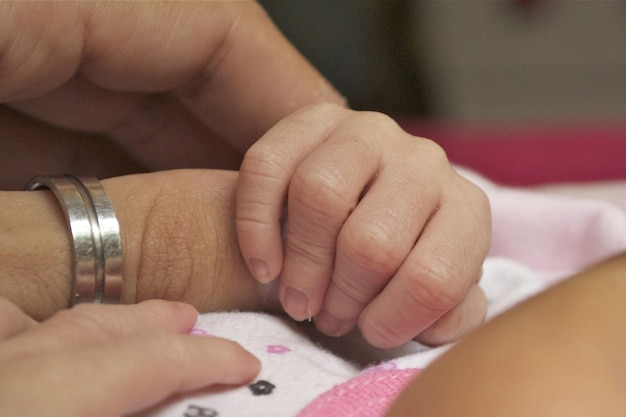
(553, 235)
(538, 237)
(368, 395)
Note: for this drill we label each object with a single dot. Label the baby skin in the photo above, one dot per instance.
(561, 353)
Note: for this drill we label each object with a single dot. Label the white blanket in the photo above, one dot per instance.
(539, 237)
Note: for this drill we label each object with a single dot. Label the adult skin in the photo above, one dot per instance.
(381, 232)
(177, 230)
(207, 77)
(110, 88)
(103, 361)
(561, 353)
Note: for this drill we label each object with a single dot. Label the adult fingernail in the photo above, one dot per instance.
(259, 269)
(329, 324)
(296, 304)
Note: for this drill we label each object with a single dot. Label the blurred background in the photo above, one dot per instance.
(547, 75)
(470, 60)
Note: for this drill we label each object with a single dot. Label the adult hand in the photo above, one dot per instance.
(110, 360)
(380, 230)
(121, 87)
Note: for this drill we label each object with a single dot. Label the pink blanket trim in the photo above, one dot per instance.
(538, 238)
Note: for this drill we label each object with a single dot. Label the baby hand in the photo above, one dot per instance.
(379, 230)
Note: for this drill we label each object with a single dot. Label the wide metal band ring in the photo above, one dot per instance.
(97, 243)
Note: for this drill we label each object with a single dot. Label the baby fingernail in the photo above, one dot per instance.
(329, 324)
(296, 304)
(259, 269)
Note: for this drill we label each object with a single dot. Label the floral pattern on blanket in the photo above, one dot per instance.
(537, 239)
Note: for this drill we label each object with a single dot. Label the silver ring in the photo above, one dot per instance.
(97, 244)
